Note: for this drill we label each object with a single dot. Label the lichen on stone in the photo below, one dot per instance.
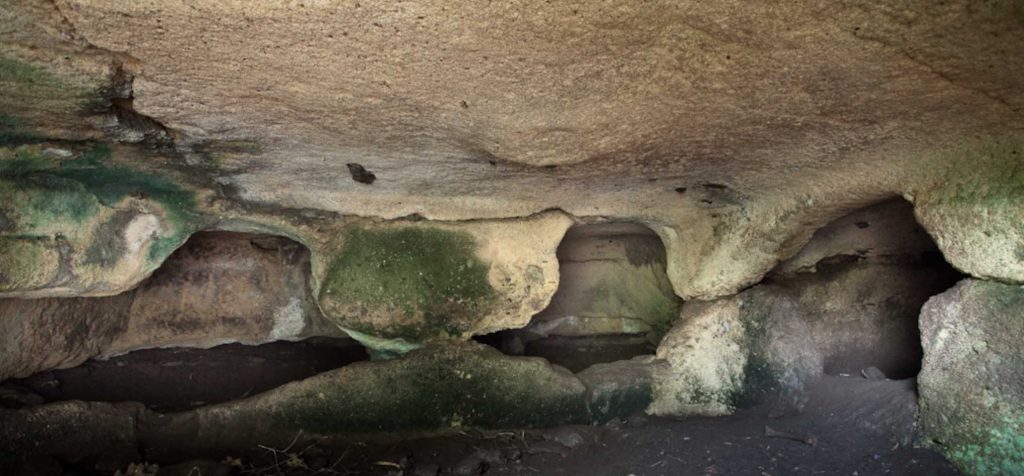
(448, 386)
(412, 283)
(71, 201)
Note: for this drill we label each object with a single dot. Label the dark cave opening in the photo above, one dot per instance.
(177, 379)
(614, 300)
(862, 280)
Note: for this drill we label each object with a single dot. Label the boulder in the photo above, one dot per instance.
(972, 380)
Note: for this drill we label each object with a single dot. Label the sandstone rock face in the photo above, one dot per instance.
(456, 385)
(974, 210)
(706, 358)
(397, 286)
(972, 380)
(219, 288)
(267, 105)
(846, 302)
(75, 223)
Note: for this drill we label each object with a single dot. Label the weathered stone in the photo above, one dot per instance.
(218, 288)
(619, 389)
(457, 384)
(706, 357)
(456, 124)
(972, 381)
(973, 208)
(85, 226)
(774, 337)
(70, 430)
(612, 281)
(399, 285)
(887, 232)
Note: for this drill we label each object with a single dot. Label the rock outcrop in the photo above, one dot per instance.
(972, 380)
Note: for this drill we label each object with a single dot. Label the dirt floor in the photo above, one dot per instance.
(847, 426)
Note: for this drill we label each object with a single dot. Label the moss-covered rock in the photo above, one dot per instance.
(410, 282)
(973, 209)
(456, 384)
(76, 222)
(972, 381)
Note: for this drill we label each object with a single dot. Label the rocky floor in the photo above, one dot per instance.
(847, 426)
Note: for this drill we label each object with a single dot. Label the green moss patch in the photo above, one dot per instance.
(457, 385)
(46, 197)
(411, 283)
(999, 450)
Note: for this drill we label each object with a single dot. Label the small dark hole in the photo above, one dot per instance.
(360, 174)
(862, 224)
(680, 189)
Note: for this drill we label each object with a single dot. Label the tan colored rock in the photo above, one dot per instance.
(706, 355)
(730, 130)
(973, 208)
(887, 232)
(775, 337)
(219, 288)
(396, 285)
(612, 281)
(971, 384)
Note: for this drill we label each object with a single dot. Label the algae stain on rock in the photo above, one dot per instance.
(413, 283)
(108, 222)
(442, 386)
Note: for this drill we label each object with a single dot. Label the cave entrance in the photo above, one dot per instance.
(614, 300)
(862, 280)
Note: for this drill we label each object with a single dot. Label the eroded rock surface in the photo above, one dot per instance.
(219, 288)
(972, 380)
(847, 302)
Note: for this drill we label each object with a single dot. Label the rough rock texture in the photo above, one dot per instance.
(706, 360)
(975, 212)
(972, 380)
(219, 288)
(396, 286)
(619, 389)
(440, 387)
(443, 151)
(887, 232)
(848, 301)
(729, 129)
(78, 223)
(612, 281)
(458, 385)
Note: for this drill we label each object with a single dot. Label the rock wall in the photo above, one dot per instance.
(848, 301)
(219, 288)
(612, 281)
(972, 380)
